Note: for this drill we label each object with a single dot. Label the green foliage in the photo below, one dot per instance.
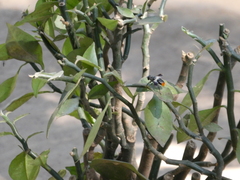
(94, 90)
(119, 170)
(158, 120)
(23, 167)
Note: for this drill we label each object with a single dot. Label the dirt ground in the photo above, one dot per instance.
(201, 16)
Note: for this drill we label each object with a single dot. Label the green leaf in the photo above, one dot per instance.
(99, 90)
(72, 170)
(115, 74)
(22, 46)
(150, 20)
(6, 133)
(67, 47)
(115, 170)
(61, 172)
(125, 12)
(238, 146)
(41, 13)
(197, 89)
(158, 120)
(108, 23)
(37, 84)
(3, 52)
(7, 87)
(213, 127)
(58, 111)
(94, 131)
(33, 134)
(22, 100)
(22, 167)
(206, 116)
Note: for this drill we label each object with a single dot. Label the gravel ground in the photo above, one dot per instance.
(201, 16)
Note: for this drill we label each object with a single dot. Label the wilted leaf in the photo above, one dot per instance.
(108, 23)
(94, 131)
(22, 167)
(158, 120)
(115, 170)
(22, 46)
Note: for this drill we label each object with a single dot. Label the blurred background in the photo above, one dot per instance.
(201, 16)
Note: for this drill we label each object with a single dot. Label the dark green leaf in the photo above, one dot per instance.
(22, 167)
(206, 116)
(3, 52)
(6, 133)
(197, 89)
(115, 170)
(99, 90)
(20, 101)
(158, 120)
(72, 170)
(7, 87)
(125, 12)
(108, 23)
(22, 46)
(94, 131)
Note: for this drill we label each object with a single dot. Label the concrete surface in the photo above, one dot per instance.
(201, 16)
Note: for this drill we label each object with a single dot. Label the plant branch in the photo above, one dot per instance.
(76, 160)
(69, 26)
(27, 149)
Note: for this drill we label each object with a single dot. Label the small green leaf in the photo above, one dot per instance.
(61, 172)
(22, 100)
(108, 23)
(72, 170)
(158, 120)
(37, 84)
(125, 12)
(115, 74)
(238, 146)
(206, 116)
(119, 170)
(6, 133)
(99, 90)
(33, 134)
(7, 87)
(197, 89)
(22, 46)
(19, 117)
(22, 167)
(58, 111)
(3, 52)
(94, 131)
(213, 127)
